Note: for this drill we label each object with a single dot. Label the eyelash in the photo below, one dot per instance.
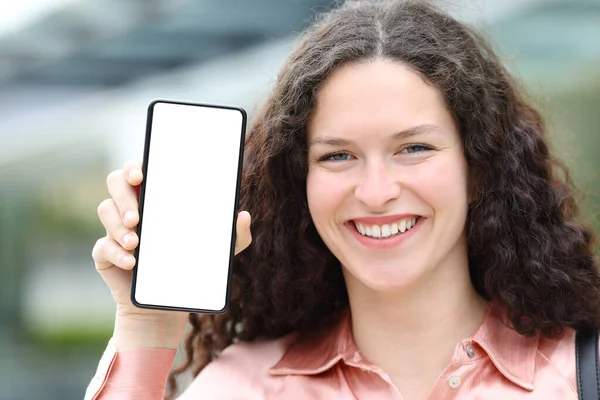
(327, 157)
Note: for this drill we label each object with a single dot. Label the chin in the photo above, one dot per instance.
(384, 277)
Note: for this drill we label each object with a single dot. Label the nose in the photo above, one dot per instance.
(379, 186)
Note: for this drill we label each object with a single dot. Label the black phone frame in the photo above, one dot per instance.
(150, 113)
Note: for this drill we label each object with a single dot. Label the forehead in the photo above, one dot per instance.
(376, 96)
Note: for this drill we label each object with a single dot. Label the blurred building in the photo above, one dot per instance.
(76, 77)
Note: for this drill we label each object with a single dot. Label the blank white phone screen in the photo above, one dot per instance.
(193, 156)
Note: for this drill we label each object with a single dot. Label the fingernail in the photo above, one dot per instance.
(134, 173)
(129, 238)
(129, 216)
(128, 260)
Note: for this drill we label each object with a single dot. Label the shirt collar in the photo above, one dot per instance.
(513, 354)
(318, 351)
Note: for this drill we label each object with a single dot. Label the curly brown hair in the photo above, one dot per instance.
(526, 250)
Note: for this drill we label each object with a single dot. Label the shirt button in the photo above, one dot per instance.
(470, 350)
(454, 381)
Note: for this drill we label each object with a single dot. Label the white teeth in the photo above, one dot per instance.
(402, 226)
(387, 230)
(376, 231)
(360, 228)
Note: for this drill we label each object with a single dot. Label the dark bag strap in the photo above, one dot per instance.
(588, 374)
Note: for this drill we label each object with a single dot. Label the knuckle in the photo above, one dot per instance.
(97, 249)
(114, 177)
(123, 202)
(104, 206)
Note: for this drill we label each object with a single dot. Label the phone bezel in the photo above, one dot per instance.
(150, 113)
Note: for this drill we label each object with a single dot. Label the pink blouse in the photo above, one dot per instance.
(496, 363)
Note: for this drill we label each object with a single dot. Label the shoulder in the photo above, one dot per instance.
(559, 353)
(240, 371)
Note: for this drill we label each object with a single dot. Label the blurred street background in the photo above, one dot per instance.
(76, 77)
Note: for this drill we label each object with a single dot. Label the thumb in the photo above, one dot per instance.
(243, 236)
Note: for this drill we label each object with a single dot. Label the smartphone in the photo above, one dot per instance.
(188, 206)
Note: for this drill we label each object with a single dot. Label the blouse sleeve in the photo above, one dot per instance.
(240, 372)
(131, 375)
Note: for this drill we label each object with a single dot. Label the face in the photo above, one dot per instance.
(387, 180)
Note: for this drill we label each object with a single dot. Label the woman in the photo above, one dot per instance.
(422, 245)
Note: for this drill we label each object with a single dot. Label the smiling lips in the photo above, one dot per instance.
(385, 227)
(385, 231)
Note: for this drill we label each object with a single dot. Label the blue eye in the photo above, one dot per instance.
(335, 157)
(416, 148)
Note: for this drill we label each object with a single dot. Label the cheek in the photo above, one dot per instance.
(325, 193)
(443, 182)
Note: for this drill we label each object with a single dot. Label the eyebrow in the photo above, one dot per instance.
(403, 134)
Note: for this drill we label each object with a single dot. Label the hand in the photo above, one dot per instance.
(114, 260)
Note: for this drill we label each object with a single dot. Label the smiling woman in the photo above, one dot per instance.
(411, 235)
(373, 112)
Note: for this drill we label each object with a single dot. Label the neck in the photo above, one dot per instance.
(412, 335)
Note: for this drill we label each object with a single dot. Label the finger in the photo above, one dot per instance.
(124, 196)
(243, 236)
(133, 172)
(107, 253)
(115, 229)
